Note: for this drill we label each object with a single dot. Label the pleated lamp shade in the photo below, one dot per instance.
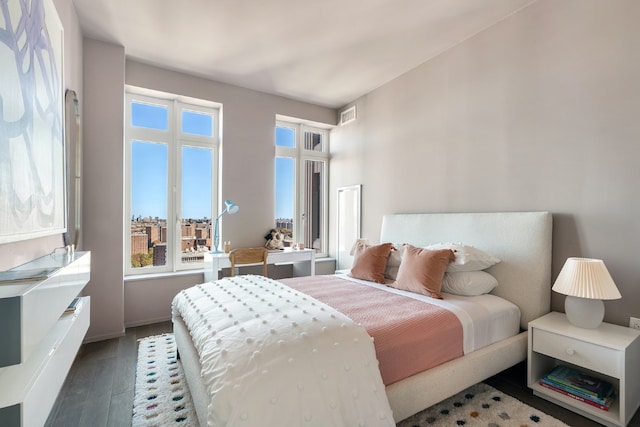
(586, 282)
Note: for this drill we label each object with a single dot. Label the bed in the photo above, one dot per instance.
(521, 240)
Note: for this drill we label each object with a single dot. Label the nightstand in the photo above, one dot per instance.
(610, 352)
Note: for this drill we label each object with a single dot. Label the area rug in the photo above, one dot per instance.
(162, 398)
(161, 393)
(481, 406)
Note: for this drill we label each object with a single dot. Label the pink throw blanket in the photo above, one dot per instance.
(410, 336)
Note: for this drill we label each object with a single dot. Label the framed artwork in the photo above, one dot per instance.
(349, 202)
(32, 153)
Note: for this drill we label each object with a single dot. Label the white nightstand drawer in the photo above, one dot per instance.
(581, 353)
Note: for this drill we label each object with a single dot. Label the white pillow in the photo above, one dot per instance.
(394, 260)
(468, 283)
(468, 258)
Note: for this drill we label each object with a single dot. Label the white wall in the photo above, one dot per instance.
(539, 112)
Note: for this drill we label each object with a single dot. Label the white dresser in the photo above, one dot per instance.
(38, 340)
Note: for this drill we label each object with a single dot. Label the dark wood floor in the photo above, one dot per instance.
(99, 388)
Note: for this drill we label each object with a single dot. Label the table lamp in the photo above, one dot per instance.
(230, 208)
(585, 282)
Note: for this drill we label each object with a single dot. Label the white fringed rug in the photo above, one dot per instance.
(162, 398)
(161, 393)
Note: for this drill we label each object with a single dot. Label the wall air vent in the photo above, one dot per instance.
(348, 115)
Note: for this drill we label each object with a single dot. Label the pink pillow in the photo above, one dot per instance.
(370, 262)
(422, 270)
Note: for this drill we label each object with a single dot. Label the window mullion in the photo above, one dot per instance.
(173, 197)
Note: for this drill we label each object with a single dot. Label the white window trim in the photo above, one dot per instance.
(300, 155)
(174, 185)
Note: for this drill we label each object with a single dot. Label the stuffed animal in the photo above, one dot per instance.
(275, 240)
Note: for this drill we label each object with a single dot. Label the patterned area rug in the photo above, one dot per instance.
(162, 398)
(161, 393)
(481, 406)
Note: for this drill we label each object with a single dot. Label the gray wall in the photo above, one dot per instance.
(539, 112)
(103, 181)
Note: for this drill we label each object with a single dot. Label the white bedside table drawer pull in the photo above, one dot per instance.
(586, 354)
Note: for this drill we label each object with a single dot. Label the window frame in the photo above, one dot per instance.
(300, 156)
(175, 140)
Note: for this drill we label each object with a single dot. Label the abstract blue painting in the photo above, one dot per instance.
(32, 161)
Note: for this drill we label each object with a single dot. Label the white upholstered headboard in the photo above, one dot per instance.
(522, 241)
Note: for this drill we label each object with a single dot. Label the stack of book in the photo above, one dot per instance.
(73, 305)
(580, 386)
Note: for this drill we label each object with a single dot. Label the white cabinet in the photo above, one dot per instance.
(39, 341)
(610, 352)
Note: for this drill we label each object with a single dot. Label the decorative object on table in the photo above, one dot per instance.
(275, 240)
(585, 282)
(26, 274)
(230, 208)
(227, 247)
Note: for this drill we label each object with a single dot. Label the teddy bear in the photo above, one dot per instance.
(275, 240)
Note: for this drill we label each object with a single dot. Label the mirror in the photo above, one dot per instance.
(349, 201)
(73, 148)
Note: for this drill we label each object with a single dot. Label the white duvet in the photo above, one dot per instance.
(272, 356)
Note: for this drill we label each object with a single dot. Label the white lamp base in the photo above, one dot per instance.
(584, 312)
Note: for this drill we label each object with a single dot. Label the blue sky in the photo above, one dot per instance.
(284, 187)
(284, 177)
(150, 168)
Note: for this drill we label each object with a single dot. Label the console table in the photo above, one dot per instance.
(306, 258)
(40, 338)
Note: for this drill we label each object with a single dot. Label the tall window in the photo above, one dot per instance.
(301, 182)
(171, 181)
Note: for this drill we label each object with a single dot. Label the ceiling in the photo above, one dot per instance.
(327, 52)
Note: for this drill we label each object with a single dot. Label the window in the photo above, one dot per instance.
(171, 181)
(301, 182)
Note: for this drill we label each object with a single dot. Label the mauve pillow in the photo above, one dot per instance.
(369, 262)
(422, 270)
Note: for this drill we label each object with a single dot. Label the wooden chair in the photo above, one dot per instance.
(242, 256)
